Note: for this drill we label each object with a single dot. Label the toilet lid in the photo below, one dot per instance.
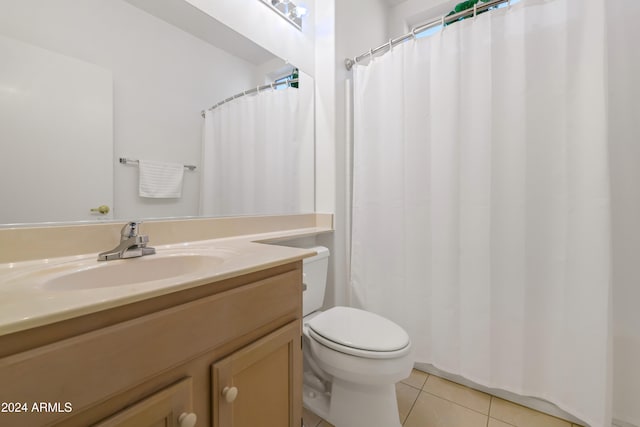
(359, 330)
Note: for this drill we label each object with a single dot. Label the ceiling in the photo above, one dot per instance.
(192, 20)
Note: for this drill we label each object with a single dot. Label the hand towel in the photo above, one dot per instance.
(160, 180)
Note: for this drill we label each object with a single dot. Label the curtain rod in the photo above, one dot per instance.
(249, 92)
(445, 19)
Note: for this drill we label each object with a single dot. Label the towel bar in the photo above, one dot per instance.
(125, 161)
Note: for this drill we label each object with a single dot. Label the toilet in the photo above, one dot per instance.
(352, 358)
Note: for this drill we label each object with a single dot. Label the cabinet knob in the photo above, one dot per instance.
(187, 419)
(230, 393)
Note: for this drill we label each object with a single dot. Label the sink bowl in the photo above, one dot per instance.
(128, 272)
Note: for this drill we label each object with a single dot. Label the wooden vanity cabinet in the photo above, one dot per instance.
(151, 362)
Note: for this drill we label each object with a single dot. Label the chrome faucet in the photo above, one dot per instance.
(131, 244)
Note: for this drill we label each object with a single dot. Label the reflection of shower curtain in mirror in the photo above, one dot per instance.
(250, 159)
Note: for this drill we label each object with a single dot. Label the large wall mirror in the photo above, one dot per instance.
(85, 83)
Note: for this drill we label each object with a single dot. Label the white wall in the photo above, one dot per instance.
(263, 26)
(325, 60)
(410, 13)
(359, 25)
(163, 78)
(72, 103)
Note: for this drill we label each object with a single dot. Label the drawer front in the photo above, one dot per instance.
(92, 367)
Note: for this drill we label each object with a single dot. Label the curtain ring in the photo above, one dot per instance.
(413, 33)
(475, 10)
(258, 89)
(390, 45)
(272, 87)
(442, 23)
(370, 54)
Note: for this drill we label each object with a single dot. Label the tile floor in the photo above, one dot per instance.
(428, 401)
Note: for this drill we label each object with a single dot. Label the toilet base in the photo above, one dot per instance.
(316, 402)
(355, 405)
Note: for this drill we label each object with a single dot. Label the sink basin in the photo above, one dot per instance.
(128, 272)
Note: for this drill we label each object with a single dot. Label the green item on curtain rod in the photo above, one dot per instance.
(465, 5)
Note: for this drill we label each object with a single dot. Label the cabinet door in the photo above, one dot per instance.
(161, 409)
(261, 384)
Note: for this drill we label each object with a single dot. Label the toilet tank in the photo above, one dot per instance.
(314, 276)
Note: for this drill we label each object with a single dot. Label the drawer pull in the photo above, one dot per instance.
(187, 419)
(230, 393)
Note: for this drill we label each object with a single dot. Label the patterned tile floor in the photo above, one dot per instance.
(429, 401)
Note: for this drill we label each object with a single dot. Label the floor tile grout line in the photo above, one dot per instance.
(417, 388)
(412, 386)
(416, 399)
(490, 404)
(502, 421)
(459, 404)
(489, 411)
(412, 405)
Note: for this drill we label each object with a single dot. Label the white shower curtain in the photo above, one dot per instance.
(481, 200)
(250, 156)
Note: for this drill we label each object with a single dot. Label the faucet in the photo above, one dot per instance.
(131, 244)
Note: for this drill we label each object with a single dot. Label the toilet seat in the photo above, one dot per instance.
(359, 333)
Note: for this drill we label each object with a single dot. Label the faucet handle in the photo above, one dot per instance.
(130, 229)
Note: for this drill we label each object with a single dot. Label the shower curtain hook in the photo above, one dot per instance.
(257, 89)
(475, 10)
(390, 45)
(442, 23)
(413, 33)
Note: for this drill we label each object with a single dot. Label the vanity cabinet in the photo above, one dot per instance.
(150, 362)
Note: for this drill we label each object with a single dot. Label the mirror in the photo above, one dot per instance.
(91, 81)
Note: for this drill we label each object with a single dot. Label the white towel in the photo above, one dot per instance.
(160, 180)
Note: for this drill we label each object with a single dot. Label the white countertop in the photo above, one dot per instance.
(27, 302)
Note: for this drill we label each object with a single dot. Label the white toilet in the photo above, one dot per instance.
(352, 358)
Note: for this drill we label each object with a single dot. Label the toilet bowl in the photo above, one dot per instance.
(352, 358)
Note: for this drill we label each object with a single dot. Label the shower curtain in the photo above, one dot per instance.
(481, 211)
(250, 156)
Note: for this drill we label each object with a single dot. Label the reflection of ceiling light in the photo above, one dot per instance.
(299, 11)
(288, 10)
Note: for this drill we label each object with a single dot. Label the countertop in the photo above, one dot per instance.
(26, 301)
